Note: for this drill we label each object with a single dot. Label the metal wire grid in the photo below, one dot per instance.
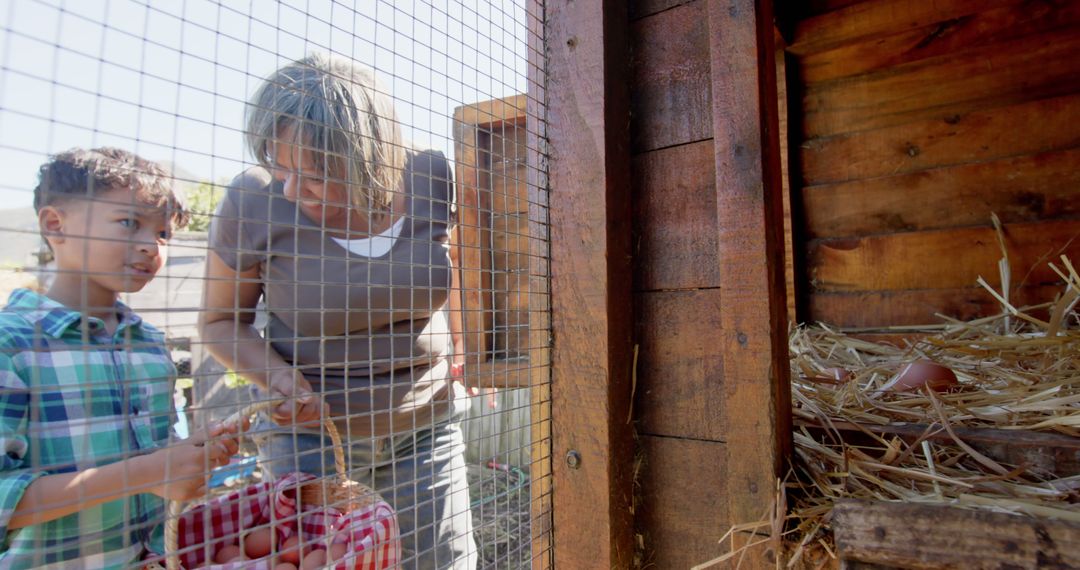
(170, 81)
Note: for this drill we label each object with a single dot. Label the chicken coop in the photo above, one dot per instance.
(698, 246)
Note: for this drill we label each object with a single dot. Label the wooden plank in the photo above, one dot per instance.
(680, 366)
(756, 414)
(540, 479)
(916, 307)
(472, 218)
(1033, 67)
(1023, 189)
(588, 127)
(675, 229)
(485, 113)
(510, 268)
(1047, 454)
(670, 96)
(539, 379)
(503, 373)
(896, 534)
(682, 510)
(509, 179)
(877, 18)
(981, 135)
(947, 37)
(785, 178)
(792, 133)
(941, 259)
(642, 8)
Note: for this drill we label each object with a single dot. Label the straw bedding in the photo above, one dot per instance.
(1017, 372)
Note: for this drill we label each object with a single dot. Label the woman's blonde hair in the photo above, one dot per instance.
(343, 114)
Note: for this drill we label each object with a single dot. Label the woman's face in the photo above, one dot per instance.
(318, 196)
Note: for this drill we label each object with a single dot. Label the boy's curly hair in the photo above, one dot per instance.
(82, 173)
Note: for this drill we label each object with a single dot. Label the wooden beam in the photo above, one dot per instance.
(935, 536)
(755, 413)
(473, 218)
(946, 86)
(918, 306)
(507, 110)
(589, 175)
(1048, 453)
(540, 519)
(1030, 188)
(982, 135)
(866, 19)
(942, 259)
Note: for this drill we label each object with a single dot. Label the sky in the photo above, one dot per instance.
(168, 79)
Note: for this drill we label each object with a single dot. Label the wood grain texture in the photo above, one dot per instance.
(1048, 455)
(1032, 67)
(980, 135)
(509, 176)
(496, 111)
(670, 93)
(896, 534)
(877, 18)
(642, 8)
(680, 365)
(752, 338)
(510, 283)
(473, 217)
(539, 378)
(682, 514)
(916, 307)
(942, 38)
(941, 259)
(675, 229)
(592, 316)
(1023, 189)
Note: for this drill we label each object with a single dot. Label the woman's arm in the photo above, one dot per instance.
(227, 326)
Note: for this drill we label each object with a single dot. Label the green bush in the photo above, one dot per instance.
(202, 201)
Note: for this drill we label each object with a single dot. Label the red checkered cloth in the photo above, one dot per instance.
(371, 533)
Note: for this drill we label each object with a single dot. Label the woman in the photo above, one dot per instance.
(343, 233)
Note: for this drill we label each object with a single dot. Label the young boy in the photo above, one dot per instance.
(86, 385)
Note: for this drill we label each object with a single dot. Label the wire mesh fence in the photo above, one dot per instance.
(276, 281)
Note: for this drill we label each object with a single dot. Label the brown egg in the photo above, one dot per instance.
(285, 566)
(290, 550)
(921, 373)
(258, 543)
(338, 551)
(838, 374)
(314, 560)
(227, 554)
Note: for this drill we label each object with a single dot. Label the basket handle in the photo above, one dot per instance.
(176, 508)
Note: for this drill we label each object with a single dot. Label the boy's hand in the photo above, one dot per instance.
(301, 406)
(181, 470)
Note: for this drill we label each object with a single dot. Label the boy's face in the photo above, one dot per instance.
(118, 243)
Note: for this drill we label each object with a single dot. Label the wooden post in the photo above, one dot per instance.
(588, 132)
(756, 406)
(539, 295)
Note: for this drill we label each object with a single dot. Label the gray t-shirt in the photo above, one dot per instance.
(369, 333)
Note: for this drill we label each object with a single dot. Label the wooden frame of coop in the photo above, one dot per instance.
(719, 169)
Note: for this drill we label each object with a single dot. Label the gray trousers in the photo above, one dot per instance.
(422, 474)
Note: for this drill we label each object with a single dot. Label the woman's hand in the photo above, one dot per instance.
(457, 374)
(301, 406)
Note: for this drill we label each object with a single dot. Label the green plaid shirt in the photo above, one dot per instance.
(74, 397)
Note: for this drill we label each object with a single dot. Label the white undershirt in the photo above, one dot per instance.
(374, 246)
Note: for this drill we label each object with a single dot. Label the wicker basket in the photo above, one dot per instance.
(338, 492)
